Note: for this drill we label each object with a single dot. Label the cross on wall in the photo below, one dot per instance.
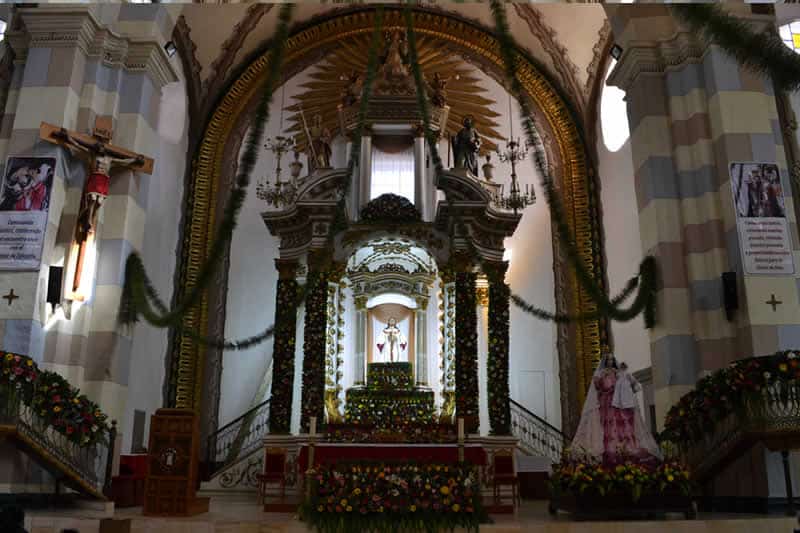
(774, 303)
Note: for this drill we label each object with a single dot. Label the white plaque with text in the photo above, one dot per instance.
(761, 219)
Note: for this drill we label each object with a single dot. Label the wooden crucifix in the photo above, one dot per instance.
(101, 157)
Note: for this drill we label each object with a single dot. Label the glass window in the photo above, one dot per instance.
(392, 172)
(613, 114)
(790, 35)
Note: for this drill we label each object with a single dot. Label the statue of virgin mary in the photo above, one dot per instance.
(612, 428)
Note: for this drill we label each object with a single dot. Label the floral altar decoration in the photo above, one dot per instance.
(720, 394)
(408, 432)
(393, 497)
(584, 476)
(390, 209)
(53, 399)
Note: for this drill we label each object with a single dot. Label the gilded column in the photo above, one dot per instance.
(280, 412)
(420, 191)
(312, 401)
(466, 344)
(361, 340)
(497, 359)
(421, 342)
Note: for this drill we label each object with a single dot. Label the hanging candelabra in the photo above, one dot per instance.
(514, 153)
(280, 193)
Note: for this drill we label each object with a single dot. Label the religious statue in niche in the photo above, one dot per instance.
(438, 87)
(466, 144)
(395, 343)
(320, 143)
(394, 76)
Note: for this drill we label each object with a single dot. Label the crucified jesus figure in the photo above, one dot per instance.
(102, 158)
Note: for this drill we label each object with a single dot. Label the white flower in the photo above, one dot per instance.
(792, 355)
(767, 375)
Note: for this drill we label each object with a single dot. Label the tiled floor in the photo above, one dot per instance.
(231, 515)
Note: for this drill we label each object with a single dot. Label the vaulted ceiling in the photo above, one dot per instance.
(568, 40)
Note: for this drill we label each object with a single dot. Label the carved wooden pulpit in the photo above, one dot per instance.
(172, 465)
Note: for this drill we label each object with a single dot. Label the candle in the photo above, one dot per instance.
(460, 429)
(313, 424)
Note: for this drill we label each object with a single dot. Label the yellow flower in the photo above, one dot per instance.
(628, 477)
(30, 363)
(670, 478)
(56, 409)
(357, 491)
(413, 508)
(456, 508)
(343, 503)
(427, 486)
(445, 490)
(9, 357)
(320, 508)
(349, 508)
(783, 367)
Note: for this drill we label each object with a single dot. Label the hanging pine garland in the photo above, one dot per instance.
(466, 351)
(283, 351)
(313, 392)
(497, 358)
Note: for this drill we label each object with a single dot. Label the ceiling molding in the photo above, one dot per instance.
(565, 69)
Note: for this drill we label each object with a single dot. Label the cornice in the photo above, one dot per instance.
(77, 26)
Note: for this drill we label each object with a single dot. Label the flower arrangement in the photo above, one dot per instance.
(497, 359)
(390, 209)
(406, 432)
(389, 409)
(283, 356)
(394, 497)
(466, 351)
(631, 480)
(721, 393)
(53, 399)
(390, 376)
(313, 394)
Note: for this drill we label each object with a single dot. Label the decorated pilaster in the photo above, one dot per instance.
(498, 361)
(364, 169)
(421, 339)
(466, 345)
(695, 114)
(312, 402)
(283, 348)
(420, 184)
(361, 341)
(68, 78)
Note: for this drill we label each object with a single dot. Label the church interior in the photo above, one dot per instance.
(399, 267)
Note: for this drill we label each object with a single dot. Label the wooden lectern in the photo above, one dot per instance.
(172, 465)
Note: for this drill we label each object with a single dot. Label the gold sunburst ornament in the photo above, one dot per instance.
(336, 83)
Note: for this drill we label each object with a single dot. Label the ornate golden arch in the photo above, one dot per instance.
(579, 344)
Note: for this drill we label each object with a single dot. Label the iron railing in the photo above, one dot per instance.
(536, 436)
(238, 439)
(87, 468)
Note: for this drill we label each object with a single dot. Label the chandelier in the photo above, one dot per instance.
(280, 193)
(514, 153)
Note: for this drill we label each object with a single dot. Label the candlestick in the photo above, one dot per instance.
(460, 429)
(313, 425)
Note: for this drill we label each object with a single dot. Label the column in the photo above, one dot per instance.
(312, 402)
(466, 347)
(355, 188)
(497, 358)
(421, 342)
(420, 186)
(283, 348)
(361, 341)
(365, 169)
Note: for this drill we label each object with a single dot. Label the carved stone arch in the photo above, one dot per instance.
(578, 344)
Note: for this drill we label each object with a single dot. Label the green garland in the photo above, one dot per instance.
(466, 351)
(313, 393)
(497, 358)
(283, 353)
(763, 53)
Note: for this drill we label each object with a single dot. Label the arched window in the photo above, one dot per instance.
(790, 35)
(613, 114)
(2, 29)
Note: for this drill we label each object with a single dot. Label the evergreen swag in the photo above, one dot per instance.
(466, 351)
(390, 209)
(497, 359)
(313, 394)
(283, 357)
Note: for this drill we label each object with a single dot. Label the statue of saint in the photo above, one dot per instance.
(354, 85)
(321, 142)
(466, 144)
(393, 337)
(438, 87)
(102, 158)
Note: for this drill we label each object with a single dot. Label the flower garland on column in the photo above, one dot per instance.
(283, 349)
(497, 360)
(466, 342)
(313, 395)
